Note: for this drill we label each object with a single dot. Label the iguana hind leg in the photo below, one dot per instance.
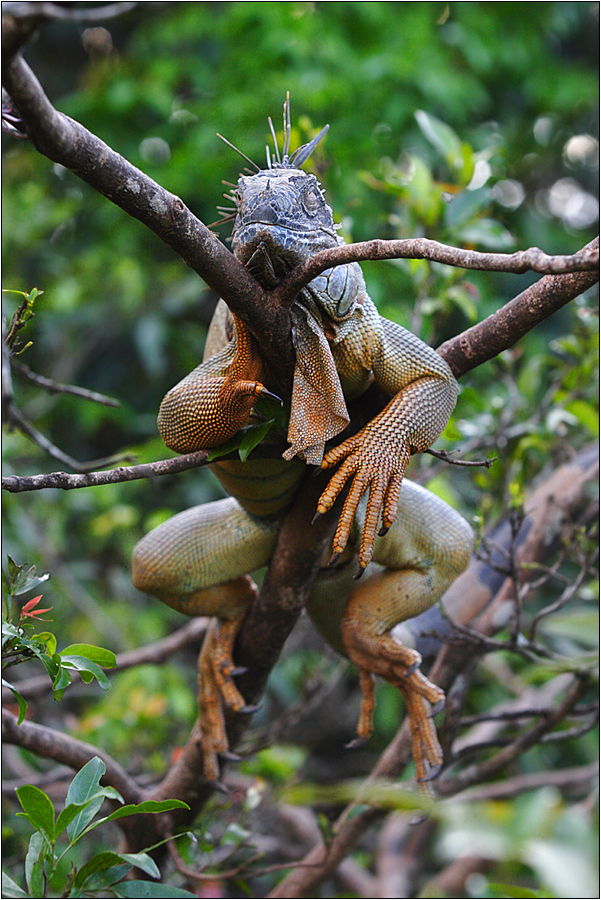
(196, 563)
(419, 557)
(216, 687)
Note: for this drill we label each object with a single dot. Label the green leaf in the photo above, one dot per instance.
(60, 682)
(144, 862)
(486, 233)
(545, 668)
(326, 829)
(235, 834)
(463, 299)
(581, 625)
(34, 865)
(50, 663)
(38, 809)
(66, 816)
(147, 806)
(586, 414)
(105, 862)
(11, 889)
(97, 655)
(88, 670)
(109, 862)
(85, 790)
(252, 437)
(389, 794)
(49, 641)
(21, 580)
(226, 448)
(150, 889)
(442, 137)
(103, 879)
(9, 631)
(244, 440)
(20, 700)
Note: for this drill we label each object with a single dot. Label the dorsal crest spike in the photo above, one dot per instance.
(287, 128)
(276, 156)
(281, 160)
(303, 153)
(239, 152)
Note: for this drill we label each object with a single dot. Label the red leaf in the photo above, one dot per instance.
(28, 611)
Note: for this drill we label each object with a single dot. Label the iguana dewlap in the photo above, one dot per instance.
(198, 562)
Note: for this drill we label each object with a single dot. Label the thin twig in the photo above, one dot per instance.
(490, 767)
(515, 786)
(157, 652)
(56, 387)
(569, 591)
(68, 482)
(446, 457)
(15, 418)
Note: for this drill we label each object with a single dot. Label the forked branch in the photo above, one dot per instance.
(67, 142)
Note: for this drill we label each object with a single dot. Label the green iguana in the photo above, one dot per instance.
(199, 561)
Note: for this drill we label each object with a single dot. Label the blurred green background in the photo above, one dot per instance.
(472, 123)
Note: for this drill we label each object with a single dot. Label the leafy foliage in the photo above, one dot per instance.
(85, 659)
(105, 870)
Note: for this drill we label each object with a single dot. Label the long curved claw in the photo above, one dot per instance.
(265, 393)
(251, 389)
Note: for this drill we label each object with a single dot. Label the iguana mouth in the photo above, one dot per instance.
(279, 246)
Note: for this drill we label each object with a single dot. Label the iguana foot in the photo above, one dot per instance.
(370, 464)
(382, 655)
(217, 690)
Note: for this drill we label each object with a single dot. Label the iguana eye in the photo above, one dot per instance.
(311, 200)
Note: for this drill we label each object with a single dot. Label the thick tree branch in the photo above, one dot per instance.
(505, 327)
(68, 750)
(67, 142)
(294, 566)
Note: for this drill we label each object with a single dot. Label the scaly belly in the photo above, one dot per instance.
(263, 487)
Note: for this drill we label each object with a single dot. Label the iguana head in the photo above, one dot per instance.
(281, 215)
(283, 210)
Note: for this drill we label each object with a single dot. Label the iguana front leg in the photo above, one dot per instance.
(376, 458)
(214, 401)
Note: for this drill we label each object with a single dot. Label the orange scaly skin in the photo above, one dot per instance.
(204, 412)
(198, 562)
